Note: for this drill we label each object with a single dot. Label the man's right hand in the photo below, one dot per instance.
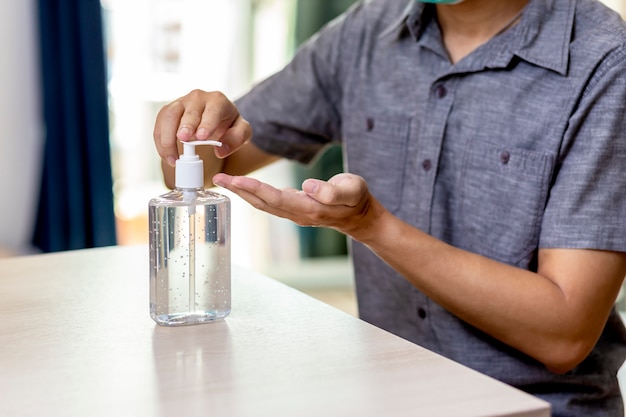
(199, 115)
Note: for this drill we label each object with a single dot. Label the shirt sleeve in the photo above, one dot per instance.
(294, 113)
(587, 204)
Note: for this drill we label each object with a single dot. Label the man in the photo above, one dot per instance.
(485, 188)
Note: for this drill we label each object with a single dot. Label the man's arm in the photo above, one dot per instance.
(555, 315)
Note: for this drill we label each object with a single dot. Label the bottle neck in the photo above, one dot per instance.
(184, 190)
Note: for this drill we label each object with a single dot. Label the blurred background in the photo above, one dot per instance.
(95, 73)
(82, 81)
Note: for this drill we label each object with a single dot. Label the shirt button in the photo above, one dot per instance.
(421, 313)
(505, 157)
(427, 164)
(441, 91)
(369, 123)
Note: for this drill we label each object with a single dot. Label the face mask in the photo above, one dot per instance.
(442, 1)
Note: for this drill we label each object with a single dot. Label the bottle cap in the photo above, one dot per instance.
(189, 166)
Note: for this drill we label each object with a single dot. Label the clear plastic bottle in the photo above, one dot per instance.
(189, 249)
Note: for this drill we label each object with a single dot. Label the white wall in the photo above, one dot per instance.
(21, 124)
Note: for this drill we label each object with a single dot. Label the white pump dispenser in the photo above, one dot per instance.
(189, 247)
(190, 171)
(189, 167)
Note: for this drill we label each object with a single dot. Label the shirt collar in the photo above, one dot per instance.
(409, 21)
(544, 36)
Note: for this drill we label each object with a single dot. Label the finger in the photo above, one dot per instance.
(165, 129)
(194, 105)
(260, 195)
(342, 189)
(235, 137)
(269, 195)
(260, 204)
(217, 117)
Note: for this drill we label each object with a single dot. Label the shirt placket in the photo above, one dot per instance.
(432, 128)
(439, 104)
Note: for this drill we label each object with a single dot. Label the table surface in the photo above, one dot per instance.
(76, 339)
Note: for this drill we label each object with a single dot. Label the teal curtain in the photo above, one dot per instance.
(312, 15)
(319, 242)
(76, 197)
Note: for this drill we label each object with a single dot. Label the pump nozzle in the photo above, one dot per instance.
(189, 167)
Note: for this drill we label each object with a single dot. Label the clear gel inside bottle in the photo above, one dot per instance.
(189, 253)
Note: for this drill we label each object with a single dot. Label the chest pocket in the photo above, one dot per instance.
(376, 149)
(504, 193)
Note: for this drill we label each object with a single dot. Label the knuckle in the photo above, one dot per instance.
(192, 114)
(217, 96)
(317, 218)
(246, 131)
(330, 195)
(259, 205)
(172, 110)
(196, 94)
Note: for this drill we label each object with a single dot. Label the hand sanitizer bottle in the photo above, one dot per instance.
(189, 248)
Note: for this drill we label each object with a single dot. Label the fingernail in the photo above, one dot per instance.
(222, 151)
(202, 133)
(184, 133)
(217, 181)
(310, 187)
(171, 161)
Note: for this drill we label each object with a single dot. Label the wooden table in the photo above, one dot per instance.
(76, 339)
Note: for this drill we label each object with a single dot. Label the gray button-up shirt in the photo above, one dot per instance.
(518, 146)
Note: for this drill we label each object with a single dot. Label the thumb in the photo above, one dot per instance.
(342, 189)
